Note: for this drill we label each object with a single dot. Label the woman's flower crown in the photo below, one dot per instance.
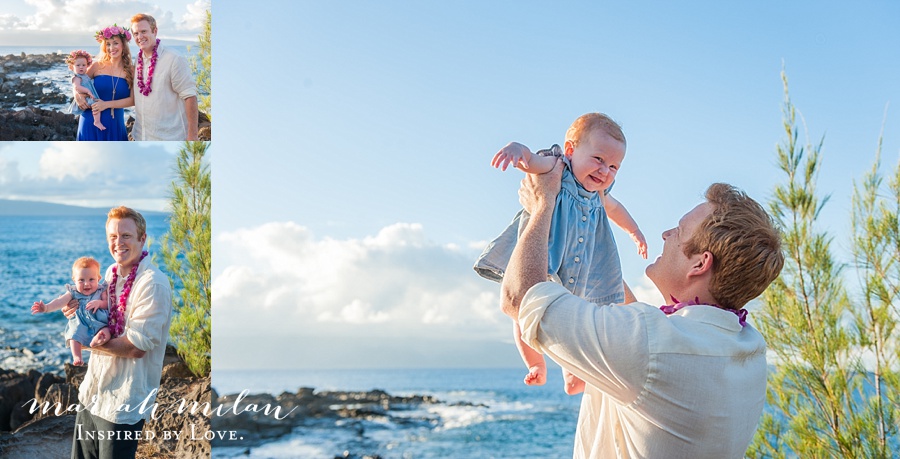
(112, 31)
(70, 59)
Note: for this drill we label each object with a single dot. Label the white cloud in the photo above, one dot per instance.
(89, 174)
(9, 21)
(195, 16)
(646, 292)
(278, 277)
(357, 312)
(84, 17)
(78, 161)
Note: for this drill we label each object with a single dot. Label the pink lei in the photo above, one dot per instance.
(672, 308)
(145, 88)
(117, 312)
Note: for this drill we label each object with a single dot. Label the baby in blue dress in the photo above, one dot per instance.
(79, 61)
(91, 317)
(582, 251)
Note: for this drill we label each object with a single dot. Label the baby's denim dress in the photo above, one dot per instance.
(582, 251)
(88, 83)
(85, 324)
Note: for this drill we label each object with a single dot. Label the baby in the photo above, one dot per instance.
(91, 317)
(78, 62)
(582, 252)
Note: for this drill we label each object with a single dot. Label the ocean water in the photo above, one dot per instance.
(503, 418)
(59, 75)
(36, 255)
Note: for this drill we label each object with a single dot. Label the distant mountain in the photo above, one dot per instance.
(11, 208)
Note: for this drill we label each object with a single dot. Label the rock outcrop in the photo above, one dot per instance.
(48, 435)
(33, 123)
(16, 91)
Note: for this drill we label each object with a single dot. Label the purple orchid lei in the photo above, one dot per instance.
(117, 312)
(672, 308)
(145, 88)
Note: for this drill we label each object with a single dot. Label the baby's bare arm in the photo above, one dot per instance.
(619, 215)
(76, 83)
(520, 157)
(58, 303)
(94, 305)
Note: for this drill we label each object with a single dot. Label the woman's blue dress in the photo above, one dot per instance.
(115, 126)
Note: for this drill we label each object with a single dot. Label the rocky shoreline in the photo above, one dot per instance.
(306, 406)
(17, 92)
(46, 435)
(22, 119)
(237, 420)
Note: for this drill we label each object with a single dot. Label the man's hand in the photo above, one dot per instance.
(538, 191)
(69, 309)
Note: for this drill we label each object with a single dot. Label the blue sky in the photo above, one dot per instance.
(354, 188)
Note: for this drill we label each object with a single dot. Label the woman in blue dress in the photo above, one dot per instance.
(113, 75)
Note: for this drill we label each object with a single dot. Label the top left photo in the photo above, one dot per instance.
(106, 71)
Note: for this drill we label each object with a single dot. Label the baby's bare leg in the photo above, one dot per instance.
(574, 384)
(534, 361)
(101, 337)
(76, 353)
(98, 124)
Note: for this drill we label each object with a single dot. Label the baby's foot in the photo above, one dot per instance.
(99, 125)
(537, 375)
(574, 384)
(101, 337)
(77, 361)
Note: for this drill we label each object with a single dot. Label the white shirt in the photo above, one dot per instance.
(161, 115)
(691, 385)
(118, 381)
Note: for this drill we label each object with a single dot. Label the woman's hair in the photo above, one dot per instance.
(144, 17)
(590, 121)
(744, 242)
(127, 64)
(85, 262)
(122, 212)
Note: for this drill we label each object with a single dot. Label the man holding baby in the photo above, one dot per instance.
(687, 380)
(124, 373)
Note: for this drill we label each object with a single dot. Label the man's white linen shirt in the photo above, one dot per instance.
(119, 381)
(691, 385)
(161, 115)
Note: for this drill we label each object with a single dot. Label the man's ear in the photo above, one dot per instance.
(702, 264)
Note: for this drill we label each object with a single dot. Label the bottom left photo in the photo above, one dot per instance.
(105, 320)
